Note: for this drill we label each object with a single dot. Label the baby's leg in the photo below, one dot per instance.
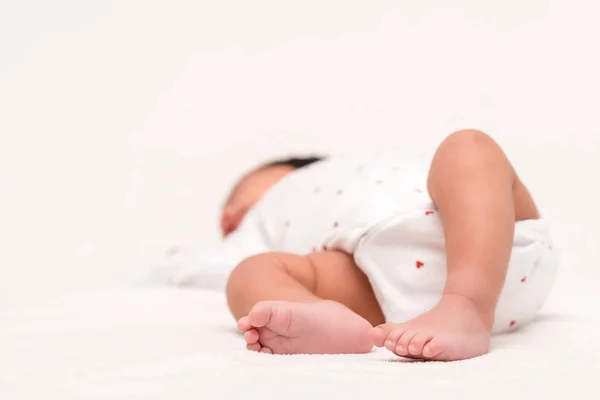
(289, 304)
(479, 199)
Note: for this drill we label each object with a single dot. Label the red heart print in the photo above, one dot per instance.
(339, 192)
(420, 264)
(512, 323)
(523, 279)
(428, 212)
(336, 224)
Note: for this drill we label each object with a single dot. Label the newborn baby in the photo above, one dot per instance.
(425, 256)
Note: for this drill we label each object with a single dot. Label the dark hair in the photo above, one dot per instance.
(296, 162)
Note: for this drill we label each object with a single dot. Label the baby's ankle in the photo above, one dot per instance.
(460, 300)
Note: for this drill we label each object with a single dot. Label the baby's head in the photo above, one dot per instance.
(252, 186)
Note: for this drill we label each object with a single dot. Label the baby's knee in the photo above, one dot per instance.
(468, 138)
(470, 148)
(249, 272)
(239, 284)
(245, 272)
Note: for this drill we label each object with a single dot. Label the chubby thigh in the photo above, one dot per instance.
(338, 278)
(329, 275)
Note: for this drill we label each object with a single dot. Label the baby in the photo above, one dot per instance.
(424, 257)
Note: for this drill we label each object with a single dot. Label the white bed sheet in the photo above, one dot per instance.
(157, 343)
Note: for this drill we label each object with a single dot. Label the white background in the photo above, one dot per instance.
(123, 123)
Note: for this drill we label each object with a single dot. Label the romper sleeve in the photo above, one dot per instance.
(209, 267)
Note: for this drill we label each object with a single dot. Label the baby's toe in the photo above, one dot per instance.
(402, 345)
(243, 325)
(251, 336)
(253, 347)
(380, 333)
(392, 339)
(260, 314)
(415, 347)
(433, 349)
(266, 350)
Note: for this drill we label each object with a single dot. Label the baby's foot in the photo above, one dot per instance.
(453, 330)
(322, 327)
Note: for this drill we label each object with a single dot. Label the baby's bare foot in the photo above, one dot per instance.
(323, 327)
(452, 330)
